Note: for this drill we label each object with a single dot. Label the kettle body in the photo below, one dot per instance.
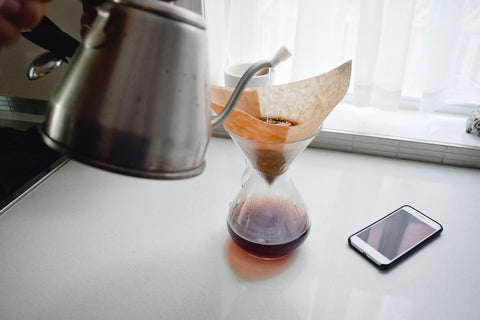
(136, 98)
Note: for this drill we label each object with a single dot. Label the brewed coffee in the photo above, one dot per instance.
(268, 227)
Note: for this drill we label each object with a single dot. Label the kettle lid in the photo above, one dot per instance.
(167, 10)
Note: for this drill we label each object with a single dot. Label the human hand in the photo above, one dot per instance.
(18, 15)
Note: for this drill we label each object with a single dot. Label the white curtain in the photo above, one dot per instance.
(421, 54)
(244, 31)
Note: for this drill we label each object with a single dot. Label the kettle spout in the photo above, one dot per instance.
(281, 55)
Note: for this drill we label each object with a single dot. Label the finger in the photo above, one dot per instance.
(10, 7)
(9, 32)
(30, 14)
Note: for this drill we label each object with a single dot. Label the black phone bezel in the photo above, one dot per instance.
(406, 254)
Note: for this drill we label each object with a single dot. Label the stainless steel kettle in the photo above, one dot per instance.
(136, 98)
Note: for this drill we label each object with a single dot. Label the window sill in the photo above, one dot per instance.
(412, 135)
(432, 128)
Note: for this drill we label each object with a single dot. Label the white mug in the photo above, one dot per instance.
(233, 74)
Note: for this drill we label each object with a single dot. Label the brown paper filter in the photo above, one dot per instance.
(283, 113)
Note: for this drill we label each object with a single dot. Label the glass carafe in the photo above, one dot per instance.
(268, 217)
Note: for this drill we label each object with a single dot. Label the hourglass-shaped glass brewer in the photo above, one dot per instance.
(268, 217)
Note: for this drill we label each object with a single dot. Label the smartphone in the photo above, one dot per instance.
(395, 236)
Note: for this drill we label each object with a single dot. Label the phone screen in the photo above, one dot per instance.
(396, 234)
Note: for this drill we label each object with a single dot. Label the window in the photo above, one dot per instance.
(416, 63)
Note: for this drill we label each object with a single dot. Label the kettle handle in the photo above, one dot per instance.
(49, 36)
(281, 55)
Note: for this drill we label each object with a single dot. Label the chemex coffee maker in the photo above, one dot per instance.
(136, 98)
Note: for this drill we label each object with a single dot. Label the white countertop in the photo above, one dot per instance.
(89, 244)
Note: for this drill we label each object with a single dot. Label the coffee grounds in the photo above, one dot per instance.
(279, 121)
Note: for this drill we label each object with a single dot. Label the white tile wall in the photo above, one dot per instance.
(464, 156)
